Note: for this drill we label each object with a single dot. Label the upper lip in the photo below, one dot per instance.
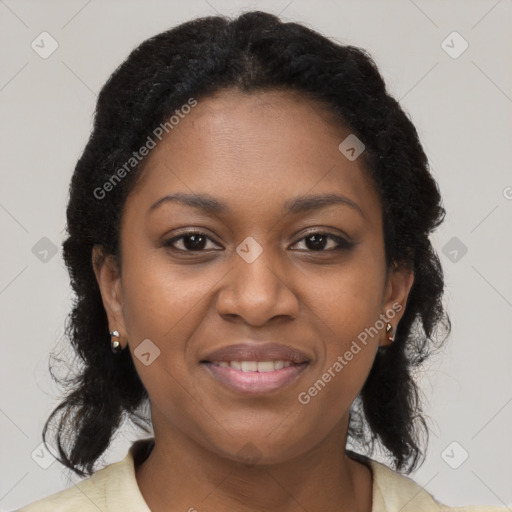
(257, 352)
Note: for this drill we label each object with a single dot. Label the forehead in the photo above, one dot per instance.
(250, 149)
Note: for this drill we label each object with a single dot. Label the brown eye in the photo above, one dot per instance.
(192, 241)
(316, 242)
(319, 242)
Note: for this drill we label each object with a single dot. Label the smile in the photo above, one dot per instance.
(254, 377)
(255, 366)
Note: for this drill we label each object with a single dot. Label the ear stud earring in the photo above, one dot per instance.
(115, 344)
(389, 328)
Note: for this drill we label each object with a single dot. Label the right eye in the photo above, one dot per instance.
(191, 241)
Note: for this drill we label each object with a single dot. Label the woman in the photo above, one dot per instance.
(249, 245)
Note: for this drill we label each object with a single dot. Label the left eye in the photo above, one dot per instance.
(318, 241)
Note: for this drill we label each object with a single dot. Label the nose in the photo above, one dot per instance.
(256, 292)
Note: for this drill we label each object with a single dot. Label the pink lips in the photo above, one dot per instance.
(256, 382)
(257, 352)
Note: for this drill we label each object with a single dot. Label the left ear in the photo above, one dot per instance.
(400, 281)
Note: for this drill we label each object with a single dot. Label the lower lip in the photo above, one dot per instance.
(255, 382)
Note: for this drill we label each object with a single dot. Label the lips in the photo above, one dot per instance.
(257, 352)
(255, 368)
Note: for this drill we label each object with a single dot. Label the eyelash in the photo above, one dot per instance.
(342, 244)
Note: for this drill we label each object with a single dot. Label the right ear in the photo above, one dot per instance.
(106, 270)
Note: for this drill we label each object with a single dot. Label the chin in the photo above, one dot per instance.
(259, 452)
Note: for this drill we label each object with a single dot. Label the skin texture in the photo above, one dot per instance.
(253, 153)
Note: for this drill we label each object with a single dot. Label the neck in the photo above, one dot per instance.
(180, 474)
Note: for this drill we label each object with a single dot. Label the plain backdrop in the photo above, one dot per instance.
(460, 102)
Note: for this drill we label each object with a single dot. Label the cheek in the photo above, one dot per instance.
(163, 305)
(344, 316)
(158, 295)
(347, 299)
(166, 305)
(346, 309)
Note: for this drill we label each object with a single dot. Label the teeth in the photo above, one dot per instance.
(279, 364)
(255, 366)
(249, 366)
(265, 366)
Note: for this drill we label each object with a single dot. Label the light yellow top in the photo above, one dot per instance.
(114, 489)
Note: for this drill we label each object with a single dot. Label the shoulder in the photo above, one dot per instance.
(393, 491)
(86, 495)
(111, 488)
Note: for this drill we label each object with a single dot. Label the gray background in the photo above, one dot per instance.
(461, 108)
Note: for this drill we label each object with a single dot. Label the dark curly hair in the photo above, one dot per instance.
(253, 52)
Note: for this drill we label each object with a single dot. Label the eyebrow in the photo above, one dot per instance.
(300, 204)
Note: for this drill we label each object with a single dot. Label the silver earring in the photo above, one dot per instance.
(389, 328)
(115, 344)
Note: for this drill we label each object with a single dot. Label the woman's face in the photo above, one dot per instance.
(290, 251)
